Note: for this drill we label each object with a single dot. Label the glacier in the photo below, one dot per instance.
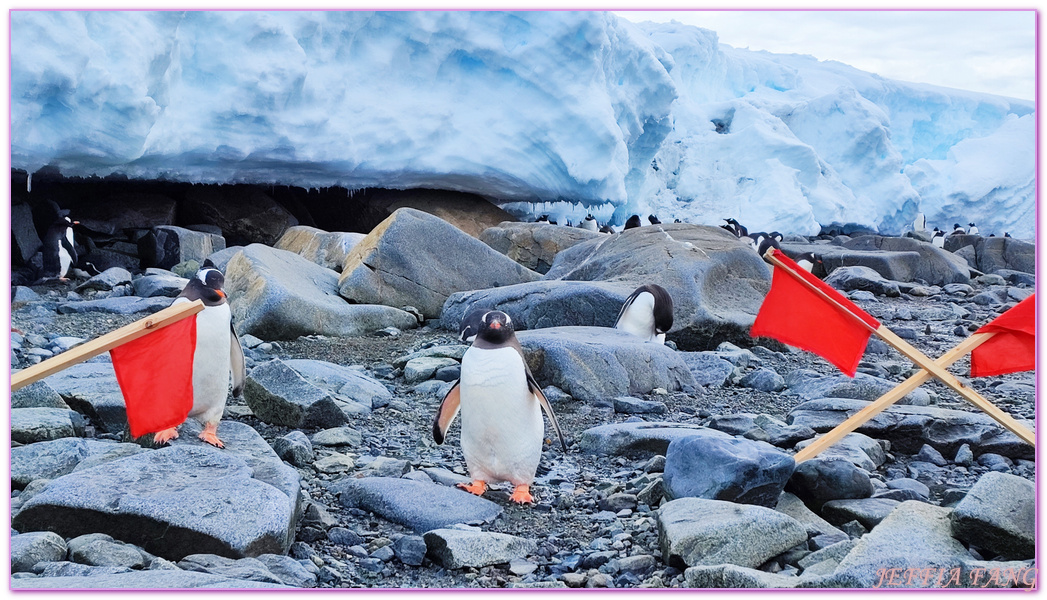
(560, 113)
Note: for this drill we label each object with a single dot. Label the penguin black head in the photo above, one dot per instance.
(970, 224)
(1007, 234)
(471, 323)
(634, 221)
(206, 285)
(496, 328)
(542, 219)
(590, 217)
(654, 220)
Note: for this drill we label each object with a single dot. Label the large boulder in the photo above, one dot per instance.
(245, 213)
(278, 295)
(639, 439)
(91, 388)
(457, 548)
(469, 212)
(279, 395)
(716, 281)
(591, 363)
(998, 514)
(415, 259)
(533, 245)
(141, 580)
(732, 469)
(936, 266)
(30, 425)
(30, 548)
(417, 505)
(327, 249)
(542, 304)
(166, 246)
(993, 254)
(24, 239)
(172, 502)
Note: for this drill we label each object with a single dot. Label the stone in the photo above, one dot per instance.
(125, 305)
(404, 261)
(101, 550)
(820, 480)
(30, 425)
(780, 434)
(999, 253)
(533, 245)
(458, 548)
(733, 576)
(28, 549)
(385, 466)
(809, 385)
(708, 368)
(51, 459)
(964, 456)
(861, 450)
(998, 514)
(163, 286)
(867, 511)
(277, 394)
(106, 280)
(245, 213)
(469, 212)
(935, 265)
(910, 427)
(91, 389)
(421, 369)
(415, 505)
(909, 484)
(138, 580)
(65, 568)
(410, 549)
(249, 569)
(25, 242)
(166, 246)
(731, 469)
(717, 283)
(278, 295)
(697, 531)
(862, 278)
(344, 537)
(763, 380)
(636, 406)
(929, 454)
(159, 501)
(565, 357)
(37, 395)
(295, 448)
(350, 386)
(792, 506)
(638, 439)
(338, 436)
(335, 463)
(327, 249)
(288, 570)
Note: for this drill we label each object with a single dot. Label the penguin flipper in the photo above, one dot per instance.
(237, 364)
(548, 408)
(70, 249)
(447, 412)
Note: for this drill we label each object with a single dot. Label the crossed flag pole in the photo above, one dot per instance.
(803, 311)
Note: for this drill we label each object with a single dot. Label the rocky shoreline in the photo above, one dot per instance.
(679, 471)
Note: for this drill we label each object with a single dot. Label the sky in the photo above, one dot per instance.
(985, 51)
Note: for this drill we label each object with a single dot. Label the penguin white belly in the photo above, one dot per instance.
(211, 373)
(64, 258)
(639, 318)
(502, 427)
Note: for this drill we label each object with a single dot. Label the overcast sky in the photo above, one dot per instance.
(986, 51)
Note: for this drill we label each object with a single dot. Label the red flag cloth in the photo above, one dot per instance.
(1013, 348)
(155, 373)
(794, 314)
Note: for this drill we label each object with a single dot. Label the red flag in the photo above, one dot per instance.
(794, 314)
(1013, 348)
(155, 373)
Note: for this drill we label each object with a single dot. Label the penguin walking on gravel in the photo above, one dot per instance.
(218, 356)
(59, 252)
(647, 313)
(501, 406)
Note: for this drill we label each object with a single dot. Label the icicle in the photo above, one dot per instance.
(29, 183)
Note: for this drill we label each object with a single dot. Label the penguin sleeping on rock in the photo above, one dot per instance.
(501, 406)
(218, 356)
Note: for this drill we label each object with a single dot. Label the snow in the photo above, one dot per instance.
(559, 113)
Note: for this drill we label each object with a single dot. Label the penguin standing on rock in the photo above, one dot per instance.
(501, 406)
(939, 238)
(633, 222)
(654, 220)
(957, 230)
(59, 251)
(218, 356)
(607, 229)
(589, 223)
(647, 313)
(972, 229)
(736, 228)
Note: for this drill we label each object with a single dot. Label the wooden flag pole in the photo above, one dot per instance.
(92, 348)
(883, 402)
(919, 358)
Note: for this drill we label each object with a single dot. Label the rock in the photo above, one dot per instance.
(338, 436)
(51, 459)
(327, 249)
(717, 283)
(276, 295)
(929, 454)
(344, 537)
(640, 439)
(288, 570)
(30, 425)
(544, 304)
(91, 388)
(336, 463)
(25, 241)
(909, 427)
(404, 261)
(636, 406)
(564, 357)
(469, 212)
(277, 394)
(139, 580)
(410, 549)
(37, 395)
(809, 385)
(708, 369)
(1017, 277)
(167, 246)
(999, 253)
(28, 549)
(867, 511)
(385, 466)
(165, 286)
(249, 569)
(732, 576)
(65, 568)
(350, 386)
(792, 506)
(764, 380)
(159, 501)
(533, 245)
(862, 278)
(295, 448)
(106, 280)
(101, 550)
(415, 505)
(909, 484)
(998, 514)
(421, 369)
(696, 531)
(730, 469)
(22, 295)
(780, 434)
(964, 456)
(125, 305)
(819, 480)
(935, 266)
(861, 450)
(458, 548)
(245, 213)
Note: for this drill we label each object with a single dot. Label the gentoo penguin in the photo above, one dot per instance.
(501, 406)
(761, 241)
(1006, 234)
(647, 313)
(920, 224)
(739, 229)
(957, 230)
(470, 325)
(654, 220)
(542, 219)
(607, 228)
(972, 229)
(589, 223)
(939, 239)
(218, 354)
(807, 261)
(677, 221)
(774, 235)
(634, 221)
(59, 252)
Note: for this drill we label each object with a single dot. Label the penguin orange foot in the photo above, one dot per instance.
(522, 494)
(477, 487)
(162, 437)
(210, 435)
